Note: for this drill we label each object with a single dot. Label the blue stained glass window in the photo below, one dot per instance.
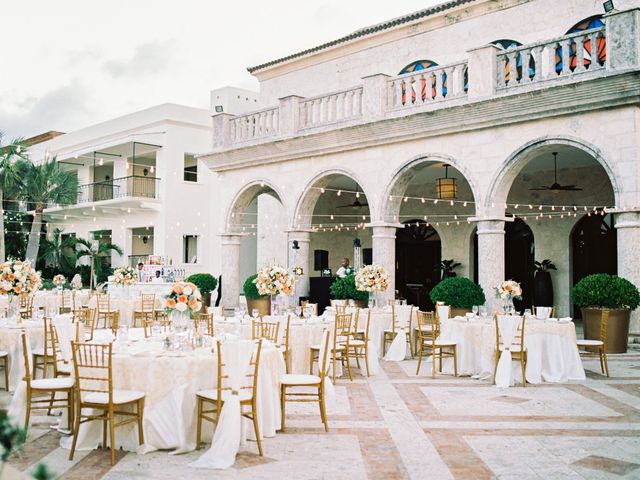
(601, 47)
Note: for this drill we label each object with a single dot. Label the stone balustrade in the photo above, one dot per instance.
(489, 72)
(560, 57)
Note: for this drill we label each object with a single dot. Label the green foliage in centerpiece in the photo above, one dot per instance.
(602, 290)
(345, 289)
(205, 282)
(458, 292)
(249, 288)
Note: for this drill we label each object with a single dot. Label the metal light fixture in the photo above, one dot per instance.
(298, 271)
(608, 6)
(446, 188)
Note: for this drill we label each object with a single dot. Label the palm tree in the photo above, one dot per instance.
(12, 163)
(96, 251)
(46, 183)
(54, 251)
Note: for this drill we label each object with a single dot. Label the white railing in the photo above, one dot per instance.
(332, 108)
(444, 82)
(255, 125)
(564, 56)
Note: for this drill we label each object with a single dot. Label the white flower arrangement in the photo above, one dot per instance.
(59, 280)
(274, 280)
(184, 298)
(508, 290)
(18, 277)
(372, 278)
(125, 276)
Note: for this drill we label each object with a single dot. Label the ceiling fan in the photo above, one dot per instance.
(356, 202)
(555, 186)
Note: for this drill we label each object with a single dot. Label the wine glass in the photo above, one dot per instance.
(474, 309)
(255, 313)
(298, 310)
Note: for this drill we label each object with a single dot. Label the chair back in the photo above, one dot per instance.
(604, 323)
(207, 320)
(342, 329)
(88, 317)
(261, 329)
(443, 312)
(103, 302)
(322, 360)
(147, 303)
(92, 364)
(366, 325)
(428, 326)
(251, 376)
(66, 301)
(26, 358)
(544, 312)
(341, 309)
(286, 333)
(26, 305)
(518, 338)
(56, 352)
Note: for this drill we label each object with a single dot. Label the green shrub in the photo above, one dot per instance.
(205, 282)
(458, 292)
(605, 291)
(249, 288)
(345, 289)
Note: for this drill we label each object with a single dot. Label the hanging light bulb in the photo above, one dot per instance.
(339, 192)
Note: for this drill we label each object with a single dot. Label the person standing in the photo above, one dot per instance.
(140, 272)
(345, 269)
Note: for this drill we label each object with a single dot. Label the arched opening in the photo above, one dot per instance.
(418, 257)
(593, 248)
(600, 57)
(434, 200)
(519, 258)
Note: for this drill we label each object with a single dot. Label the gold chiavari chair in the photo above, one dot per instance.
(26, 305)
(552, 313)
(341, 309)
(66, 301)
(308, 381)
(597, 348)
(216, 397)
(37, 388)
(61, 367)
(426, 326)
(108, 316)
(360, 344)
(342, 334)
(410, 340)
(86, 316)
(76, 303)
(4, 365)
(145, 310)
(42, 356)
(207, 318)
(93, 369)
(284, 347)
(390, 333)
(429, 343)
(517, 348)
(266, 330)
(305, 304)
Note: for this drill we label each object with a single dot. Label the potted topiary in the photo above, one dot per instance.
(345, 289)
(542, 284)
(206, 283)
(598, 292)
(459, 293)
(254, 299)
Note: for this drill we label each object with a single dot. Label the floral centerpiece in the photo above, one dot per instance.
(59, 280)
(508, 291)
(274, 280)
(184, 298)
(372, 278)
(18, 277)
(125, 276)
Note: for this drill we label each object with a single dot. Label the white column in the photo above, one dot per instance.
(121, 237)
(490, 258)
(230, 269)
(628, 238)
(384, 253)
(299, 258)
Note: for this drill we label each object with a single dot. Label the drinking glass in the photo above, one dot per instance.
(370, 303)
(483, 311)
(255, 313)
(527, 312)
(474, 309)
(298, 311)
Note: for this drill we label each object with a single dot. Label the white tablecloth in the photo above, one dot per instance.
(170, 381)
(552, 354)
(126, 307)
(10, 342)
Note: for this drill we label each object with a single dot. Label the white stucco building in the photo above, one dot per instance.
(352, 136)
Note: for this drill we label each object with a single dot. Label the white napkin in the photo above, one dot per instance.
(508, 325)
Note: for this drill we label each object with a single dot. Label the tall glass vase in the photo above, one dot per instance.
(507, 306)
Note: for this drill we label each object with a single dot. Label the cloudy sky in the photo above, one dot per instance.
(71, 63)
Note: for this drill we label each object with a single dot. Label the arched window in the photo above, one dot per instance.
(417, 66)
(507, 44)
(586, 24)
(418, 88)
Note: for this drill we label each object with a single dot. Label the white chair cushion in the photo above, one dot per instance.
(3, 353)
(424, 327)
(512, 348)
(65, 368)
(442, 343)
(52, 383)
(299, 379)
(212, 394)
(39, 352)
(589, 343)
(317, 347)
(119, 397)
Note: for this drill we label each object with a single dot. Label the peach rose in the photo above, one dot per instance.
(192, 304)
(171, 303)
(178, 289)
(182, 299)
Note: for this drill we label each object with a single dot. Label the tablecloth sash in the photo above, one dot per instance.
(507, 326)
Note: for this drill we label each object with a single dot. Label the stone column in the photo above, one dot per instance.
(483, 72)
(230, 269)
(628, 234)
(490, 258)
(384, 253)
(299, 258)
(623, 39)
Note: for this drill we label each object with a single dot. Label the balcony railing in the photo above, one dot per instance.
(126, 187)
(489, 72)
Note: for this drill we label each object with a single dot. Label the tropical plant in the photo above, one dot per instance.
(544, 266)
(96, 252)
(56, 252)
(458, 292)
(249, 288)
(345, 289)
(205, 282)
(12, 164)
(448, 267)
(602, 290)
(46, 183)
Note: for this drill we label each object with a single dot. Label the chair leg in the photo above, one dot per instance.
(140, 429)
(455, 361)
(310, 362)
(323, 409)
(366, 359)
(27, 415)
(199, 425)
(112, 437)
(104, 430)
(606, 363)
(254, 417)
(6, 374)
(433, 362)
(51, 399)
(357, 355)
(283, 401)
(419, 360)
(523, 368)
(440, 361)
(76, 429)
(333, 363)
(346, 356)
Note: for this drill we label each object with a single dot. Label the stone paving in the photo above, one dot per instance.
(396, 425)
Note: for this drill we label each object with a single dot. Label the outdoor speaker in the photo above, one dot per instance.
(320, 260)
(367, 256)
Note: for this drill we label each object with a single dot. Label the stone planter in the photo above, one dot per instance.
(617, 329)
(361, 303)
(263, 304)
(458, 312)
